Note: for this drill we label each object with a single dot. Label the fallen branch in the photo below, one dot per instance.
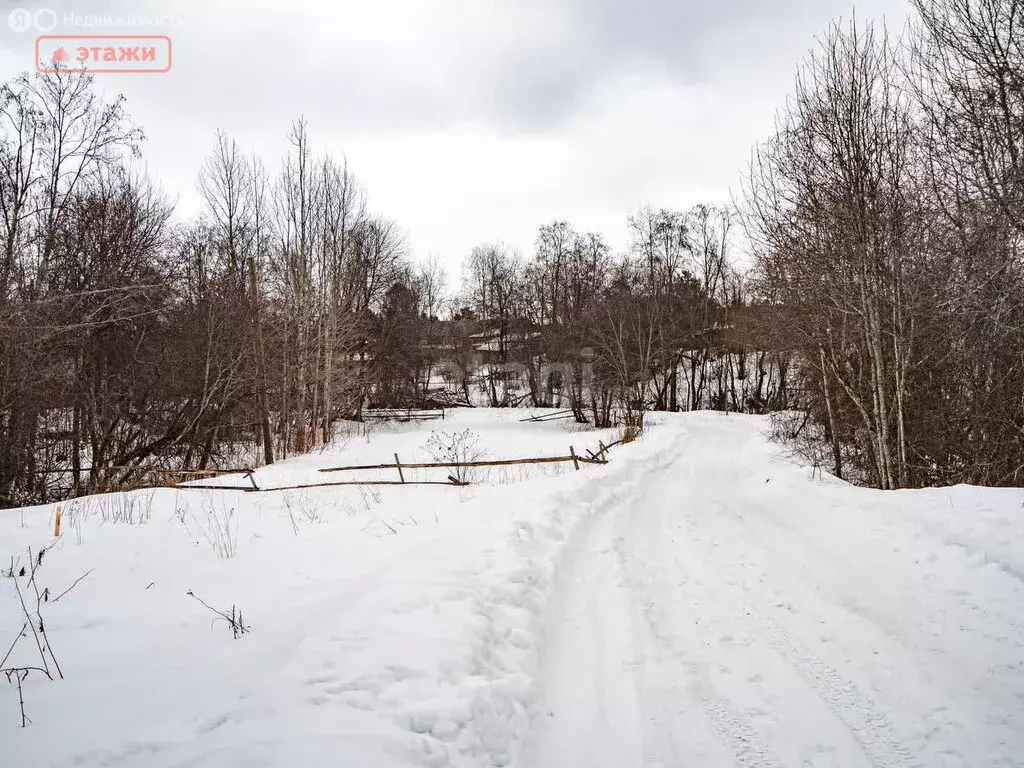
(73, 585)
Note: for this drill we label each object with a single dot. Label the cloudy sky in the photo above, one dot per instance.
(470, 121)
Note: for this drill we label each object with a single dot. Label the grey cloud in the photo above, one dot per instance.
(535, 88)
(531, 84)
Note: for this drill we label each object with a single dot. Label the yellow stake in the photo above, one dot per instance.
(56, 522)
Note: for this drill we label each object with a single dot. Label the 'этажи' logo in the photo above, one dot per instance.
(103, 53)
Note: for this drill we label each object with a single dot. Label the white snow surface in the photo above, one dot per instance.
(702, 600)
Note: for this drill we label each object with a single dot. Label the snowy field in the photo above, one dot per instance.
(699, 601)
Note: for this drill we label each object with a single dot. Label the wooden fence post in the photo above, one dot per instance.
(399, 465)
(575, 461)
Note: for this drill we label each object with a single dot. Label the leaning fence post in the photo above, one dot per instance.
(399, 465)
(575, 461)
(603, 450)
(252, 480)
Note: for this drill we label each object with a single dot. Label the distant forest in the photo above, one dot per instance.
(879, 313)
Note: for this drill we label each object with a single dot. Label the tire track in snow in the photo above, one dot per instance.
(871, 729)
(646, 702)
(686, 717)
(927, 614)
(863, 719)
(795, 675)
(728, 727)
(586, 710)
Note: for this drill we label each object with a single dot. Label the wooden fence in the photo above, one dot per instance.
(600, 456)
(558, 416)
(174, 478)
(403, 414)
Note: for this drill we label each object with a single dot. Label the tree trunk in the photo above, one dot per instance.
(261, 369)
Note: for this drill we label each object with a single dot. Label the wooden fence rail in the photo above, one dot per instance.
(460, 464)
(175, 477)
(557, 416)
(403, 414)
(598, 457)
(245, 489)
(140, 469)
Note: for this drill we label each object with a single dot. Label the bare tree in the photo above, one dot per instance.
(432, 282)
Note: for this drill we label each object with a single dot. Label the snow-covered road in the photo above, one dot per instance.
(724, 609)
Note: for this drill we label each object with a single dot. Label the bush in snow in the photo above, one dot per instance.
(455, 450)
(219, 526)
(233, 619)
(132, 508)
(301, 507)
(30, 653)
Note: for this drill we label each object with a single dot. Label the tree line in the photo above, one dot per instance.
(876, 305)
(657, 327)
(130, 340)
(888, 216)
